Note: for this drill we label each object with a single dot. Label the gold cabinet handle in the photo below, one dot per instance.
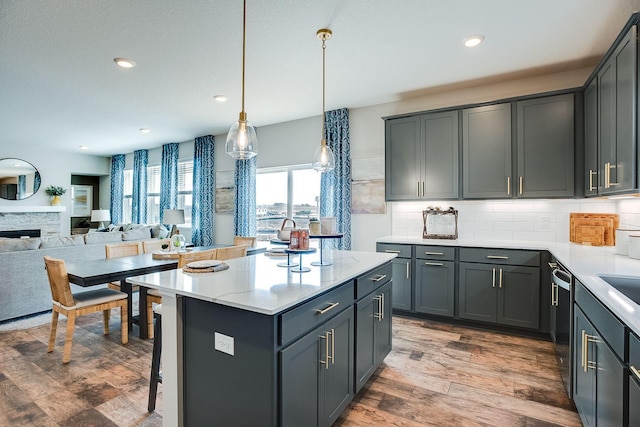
(434, 253)
(588, 364)
(508, 186)
(408, 262)
(435, 264)
(393, 251)
(378, 277)
(325, 362)
(521, 185)
(591, 173)
(497, 257)
(331, 306)
(635, 371)
(607, 175)
(333, 347)
(584, 351)
(500, 278)
(382, 306)
(554, 290)
(494, 278)
(553, 264)
(377, 314)
(422, 188)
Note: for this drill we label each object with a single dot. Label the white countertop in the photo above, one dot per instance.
(586, 263)
(256, 283)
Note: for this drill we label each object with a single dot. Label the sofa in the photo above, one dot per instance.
(24, 287)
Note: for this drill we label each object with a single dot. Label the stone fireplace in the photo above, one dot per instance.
(43, 218)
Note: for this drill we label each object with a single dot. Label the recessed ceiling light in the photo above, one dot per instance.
(145, 130)
(124, 62)
(475, 40)
(83, 147)
(220, 98)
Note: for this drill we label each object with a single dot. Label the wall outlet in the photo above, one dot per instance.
(223, 343)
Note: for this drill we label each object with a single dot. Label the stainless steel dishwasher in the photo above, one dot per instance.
(561, 320)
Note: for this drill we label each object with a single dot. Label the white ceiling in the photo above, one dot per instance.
(59, 86)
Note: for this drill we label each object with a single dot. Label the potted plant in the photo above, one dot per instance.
(55, 191)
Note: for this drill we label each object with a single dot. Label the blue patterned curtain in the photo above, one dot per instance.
(36, 181)
(22, 186)
(204, 192)
(117, 188)
(139, 194)
(335, 186)
(169, 178)
(244, 209)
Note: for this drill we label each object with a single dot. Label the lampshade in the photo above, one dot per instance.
(242, 142)
(323, 160)
(100, 215)
(173, 216)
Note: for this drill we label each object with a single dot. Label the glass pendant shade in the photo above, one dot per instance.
(242, 141)
(323, 159)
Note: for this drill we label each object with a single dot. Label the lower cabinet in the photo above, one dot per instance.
(504, 294)
(317, 373)
(634, 398)
(373, 332)
(402, 283)
(435, 285)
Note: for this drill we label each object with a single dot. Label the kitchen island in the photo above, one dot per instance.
(258, 344)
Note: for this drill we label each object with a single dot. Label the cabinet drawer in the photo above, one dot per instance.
(500, 256)
(403, 251)
(634, 351)
(447, 253)
(608, 326)
(373, 280)
(312, 313)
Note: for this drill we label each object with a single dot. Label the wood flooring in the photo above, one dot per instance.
(436, 375)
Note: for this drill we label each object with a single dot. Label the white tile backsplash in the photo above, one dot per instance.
(538, 220)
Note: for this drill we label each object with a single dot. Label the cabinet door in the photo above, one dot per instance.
(486, 152)
(365, 338)
(477, 291)
(634, 398)
(609, 386)
(402, 158)
(383, 324)
(617, 134)
(591, 138)
(300, 379)
(545, 145)
(584, 381)
(338, 382)
(440, 155)
(435, 282)
(401, 283)
(519, 296)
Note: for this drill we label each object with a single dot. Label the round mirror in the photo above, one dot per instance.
(18, 179)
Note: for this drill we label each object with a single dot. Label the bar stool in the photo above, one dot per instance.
(156, 375)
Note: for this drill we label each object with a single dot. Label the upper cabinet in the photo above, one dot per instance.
(591, 139)
(545, 147)
(486, 152)
(616, 121)
(422, 157)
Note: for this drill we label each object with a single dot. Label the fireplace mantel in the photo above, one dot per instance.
(18, 209)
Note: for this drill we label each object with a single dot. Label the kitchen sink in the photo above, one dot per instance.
(627, 285)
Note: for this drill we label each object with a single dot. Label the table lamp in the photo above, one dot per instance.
(173, 217)
(100, 215)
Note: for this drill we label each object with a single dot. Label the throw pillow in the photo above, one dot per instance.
(13, 245)
(141, 233)
(159, 231)
(54, 242)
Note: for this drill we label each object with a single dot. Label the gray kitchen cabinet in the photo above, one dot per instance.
(373, 332)
(486, 152)
(435, 280)
(617, 96)
(633, 409)
(591, 179)
(421, 156)
(317, 373)
(598, 348)
(545, 147)
(402, 274)
(504, 291)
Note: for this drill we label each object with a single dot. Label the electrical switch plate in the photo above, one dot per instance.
(223, 343)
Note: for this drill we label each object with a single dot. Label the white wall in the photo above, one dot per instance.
(56, 168)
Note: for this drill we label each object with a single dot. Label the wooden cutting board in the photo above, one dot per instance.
(593, 228)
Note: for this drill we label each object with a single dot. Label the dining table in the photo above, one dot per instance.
(102, 271)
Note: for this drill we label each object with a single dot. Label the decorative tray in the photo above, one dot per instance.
(439, 224)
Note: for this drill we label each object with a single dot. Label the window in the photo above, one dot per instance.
(292, 192)
(185, 192)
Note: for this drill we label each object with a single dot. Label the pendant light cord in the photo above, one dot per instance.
(244, 43)
(324, 52)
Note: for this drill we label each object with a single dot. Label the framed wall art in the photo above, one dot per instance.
(81, 200)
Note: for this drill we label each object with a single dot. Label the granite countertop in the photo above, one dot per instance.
(256, 283)
(586, 263)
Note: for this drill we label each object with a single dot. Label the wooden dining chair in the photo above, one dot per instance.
(187, 257)
(149, 246)
(230, 252)
(73, 305)
(244, 240)
(116, 250)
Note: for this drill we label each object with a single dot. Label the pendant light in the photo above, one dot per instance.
(242, 142)
(323, 160)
